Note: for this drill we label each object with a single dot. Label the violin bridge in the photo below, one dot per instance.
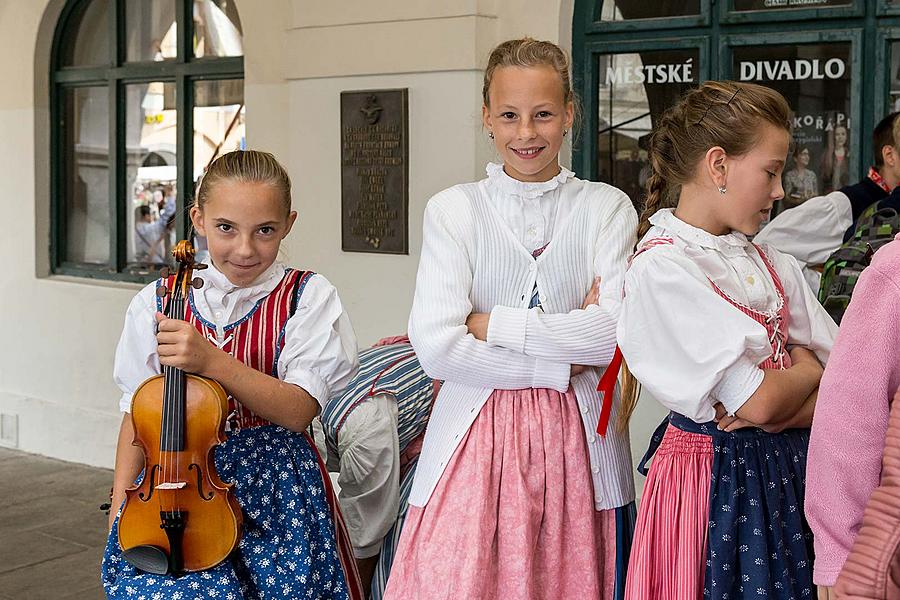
(172, 485)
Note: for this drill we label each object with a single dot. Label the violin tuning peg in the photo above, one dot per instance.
(200, 266)
(164, 272)
(161, 291)
(197, 283)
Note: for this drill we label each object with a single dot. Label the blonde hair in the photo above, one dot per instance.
(528, 52)
(245, 166)
(718, 113)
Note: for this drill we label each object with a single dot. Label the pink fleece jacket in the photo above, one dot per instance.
(852, 413)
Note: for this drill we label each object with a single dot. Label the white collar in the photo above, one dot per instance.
(525, 189)
(733, 243)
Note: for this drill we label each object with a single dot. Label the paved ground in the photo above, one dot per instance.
(51, 530)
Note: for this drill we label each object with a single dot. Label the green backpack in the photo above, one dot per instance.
(874, 228)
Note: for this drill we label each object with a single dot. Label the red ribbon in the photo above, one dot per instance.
(605, 387)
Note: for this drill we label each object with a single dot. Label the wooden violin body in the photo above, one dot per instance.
(181, 516)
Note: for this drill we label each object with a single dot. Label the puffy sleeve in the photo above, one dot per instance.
(809, 324)
(320, 351)
(686, 344)
(809, 232)
(136, 357)
(442, 303)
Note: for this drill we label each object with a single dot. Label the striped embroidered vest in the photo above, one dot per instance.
(257, 338)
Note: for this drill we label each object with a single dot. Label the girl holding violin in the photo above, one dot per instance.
(280, 344)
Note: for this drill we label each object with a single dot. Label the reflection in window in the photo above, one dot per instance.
(127, 231)
(86, 171)
(218, 121)
(151, 127)
(894, 94)
(634, 90)
(627, 10)
(218, 29)
(815, 80)
(774, 5)
(218, 125)
(90, 35)
(151, 31)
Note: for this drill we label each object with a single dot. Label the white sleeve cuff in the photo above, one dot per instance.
(739, 382)
(551, 375)
(314, 385)
(125, 403)
(506, 328)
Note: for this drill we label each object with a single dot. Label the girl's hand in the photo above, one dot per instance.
(477, 324)
(728, 422)
(826, 593)
(593, 295)
(181, 346)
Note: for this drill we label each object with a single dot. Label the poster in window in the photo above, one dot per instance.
(815, 79)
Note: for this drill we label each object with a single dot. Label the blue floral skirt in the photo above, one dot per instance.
(288, 548)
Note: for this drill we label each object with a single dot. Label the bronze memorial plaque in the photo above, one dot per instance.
(375, 171)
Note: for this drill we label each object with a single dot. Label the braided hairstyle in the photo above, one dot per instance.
(727, 114)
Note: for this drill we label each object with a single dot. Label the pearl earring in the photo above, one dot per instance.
(565, 132)
(721, 189)
(491, 134)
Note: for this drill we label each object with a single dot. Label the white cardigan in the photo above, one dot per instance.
(472, 262)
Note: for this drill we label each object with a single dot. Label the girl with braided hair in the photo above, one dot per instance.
(729, 337)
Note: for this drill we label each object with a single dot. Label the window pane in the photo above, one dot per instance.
(219, 114)
(150, 30)
(634, 91)
(894, 94)
(89, 41)
(217, 29)
(218, 120)
(627, 10)
(815, 80)
(150, 144)
(85, 156)
(776, 5)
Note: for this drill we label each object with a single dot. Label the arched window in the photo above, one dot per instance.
(144, 95)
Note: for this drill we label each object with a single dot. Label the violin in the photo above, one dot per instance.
(181, 517)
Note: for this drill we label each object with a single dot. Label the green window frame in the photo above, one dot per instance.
(869, 25)
(183, 71)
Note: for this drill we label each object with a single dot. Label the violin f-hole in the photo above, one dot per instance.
(153, 471)
(200, 482)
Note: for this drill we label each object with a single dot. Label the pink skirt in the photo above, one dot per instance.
(513, 514)
(668, 554)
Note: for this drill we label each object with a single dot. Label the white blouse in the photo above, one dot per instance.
(319, 352)
(689, 346)
(474, 260)
(530, 210)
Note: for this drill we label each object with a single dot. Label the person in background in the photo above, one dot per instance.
(150, 236)
(373, 433)
(853, 413)
(812, 231)
(800, 184)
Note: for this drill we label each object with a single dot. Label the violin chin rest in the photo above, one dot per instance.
(151, 559)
